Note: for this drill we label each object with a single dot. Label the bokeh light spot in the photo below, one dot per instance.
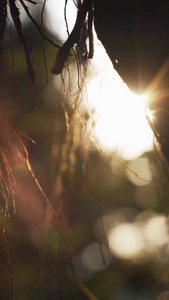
(155, 231)
(96, 257)
(125, 241)
(138, 171)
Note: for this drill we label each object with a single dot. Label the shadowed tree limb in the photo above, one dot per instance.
(27, 47)
(3, 15)
(73, 38)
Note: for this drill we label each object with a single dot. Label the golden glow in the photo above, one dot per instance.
(118, 114)
(126, 241)
(136, 240)
(149, 114)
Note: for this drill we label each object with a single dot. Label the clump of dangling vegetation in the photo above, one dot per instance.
(13, 151)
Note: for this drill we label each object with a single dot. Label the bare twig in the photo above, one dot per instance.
(42, 12)
(8, 257)
(39, 28)
(33, 2)
(27, 47)
(3, 15)
(90, 31)
(65, 17)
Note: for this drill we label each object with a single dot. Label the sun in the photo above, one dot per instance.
(120, 115)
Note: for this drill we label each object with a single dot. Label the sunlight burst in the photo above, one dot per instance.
(149, 115)
(118, 114)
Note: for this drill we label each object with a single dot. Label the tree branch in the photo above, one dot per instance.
(27, 47)
(73, 38)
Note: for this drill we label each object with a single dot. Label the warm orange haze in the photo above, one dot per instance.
(84, 150)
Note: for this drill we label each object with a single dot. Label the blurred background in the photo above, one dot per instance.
(109, 239)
